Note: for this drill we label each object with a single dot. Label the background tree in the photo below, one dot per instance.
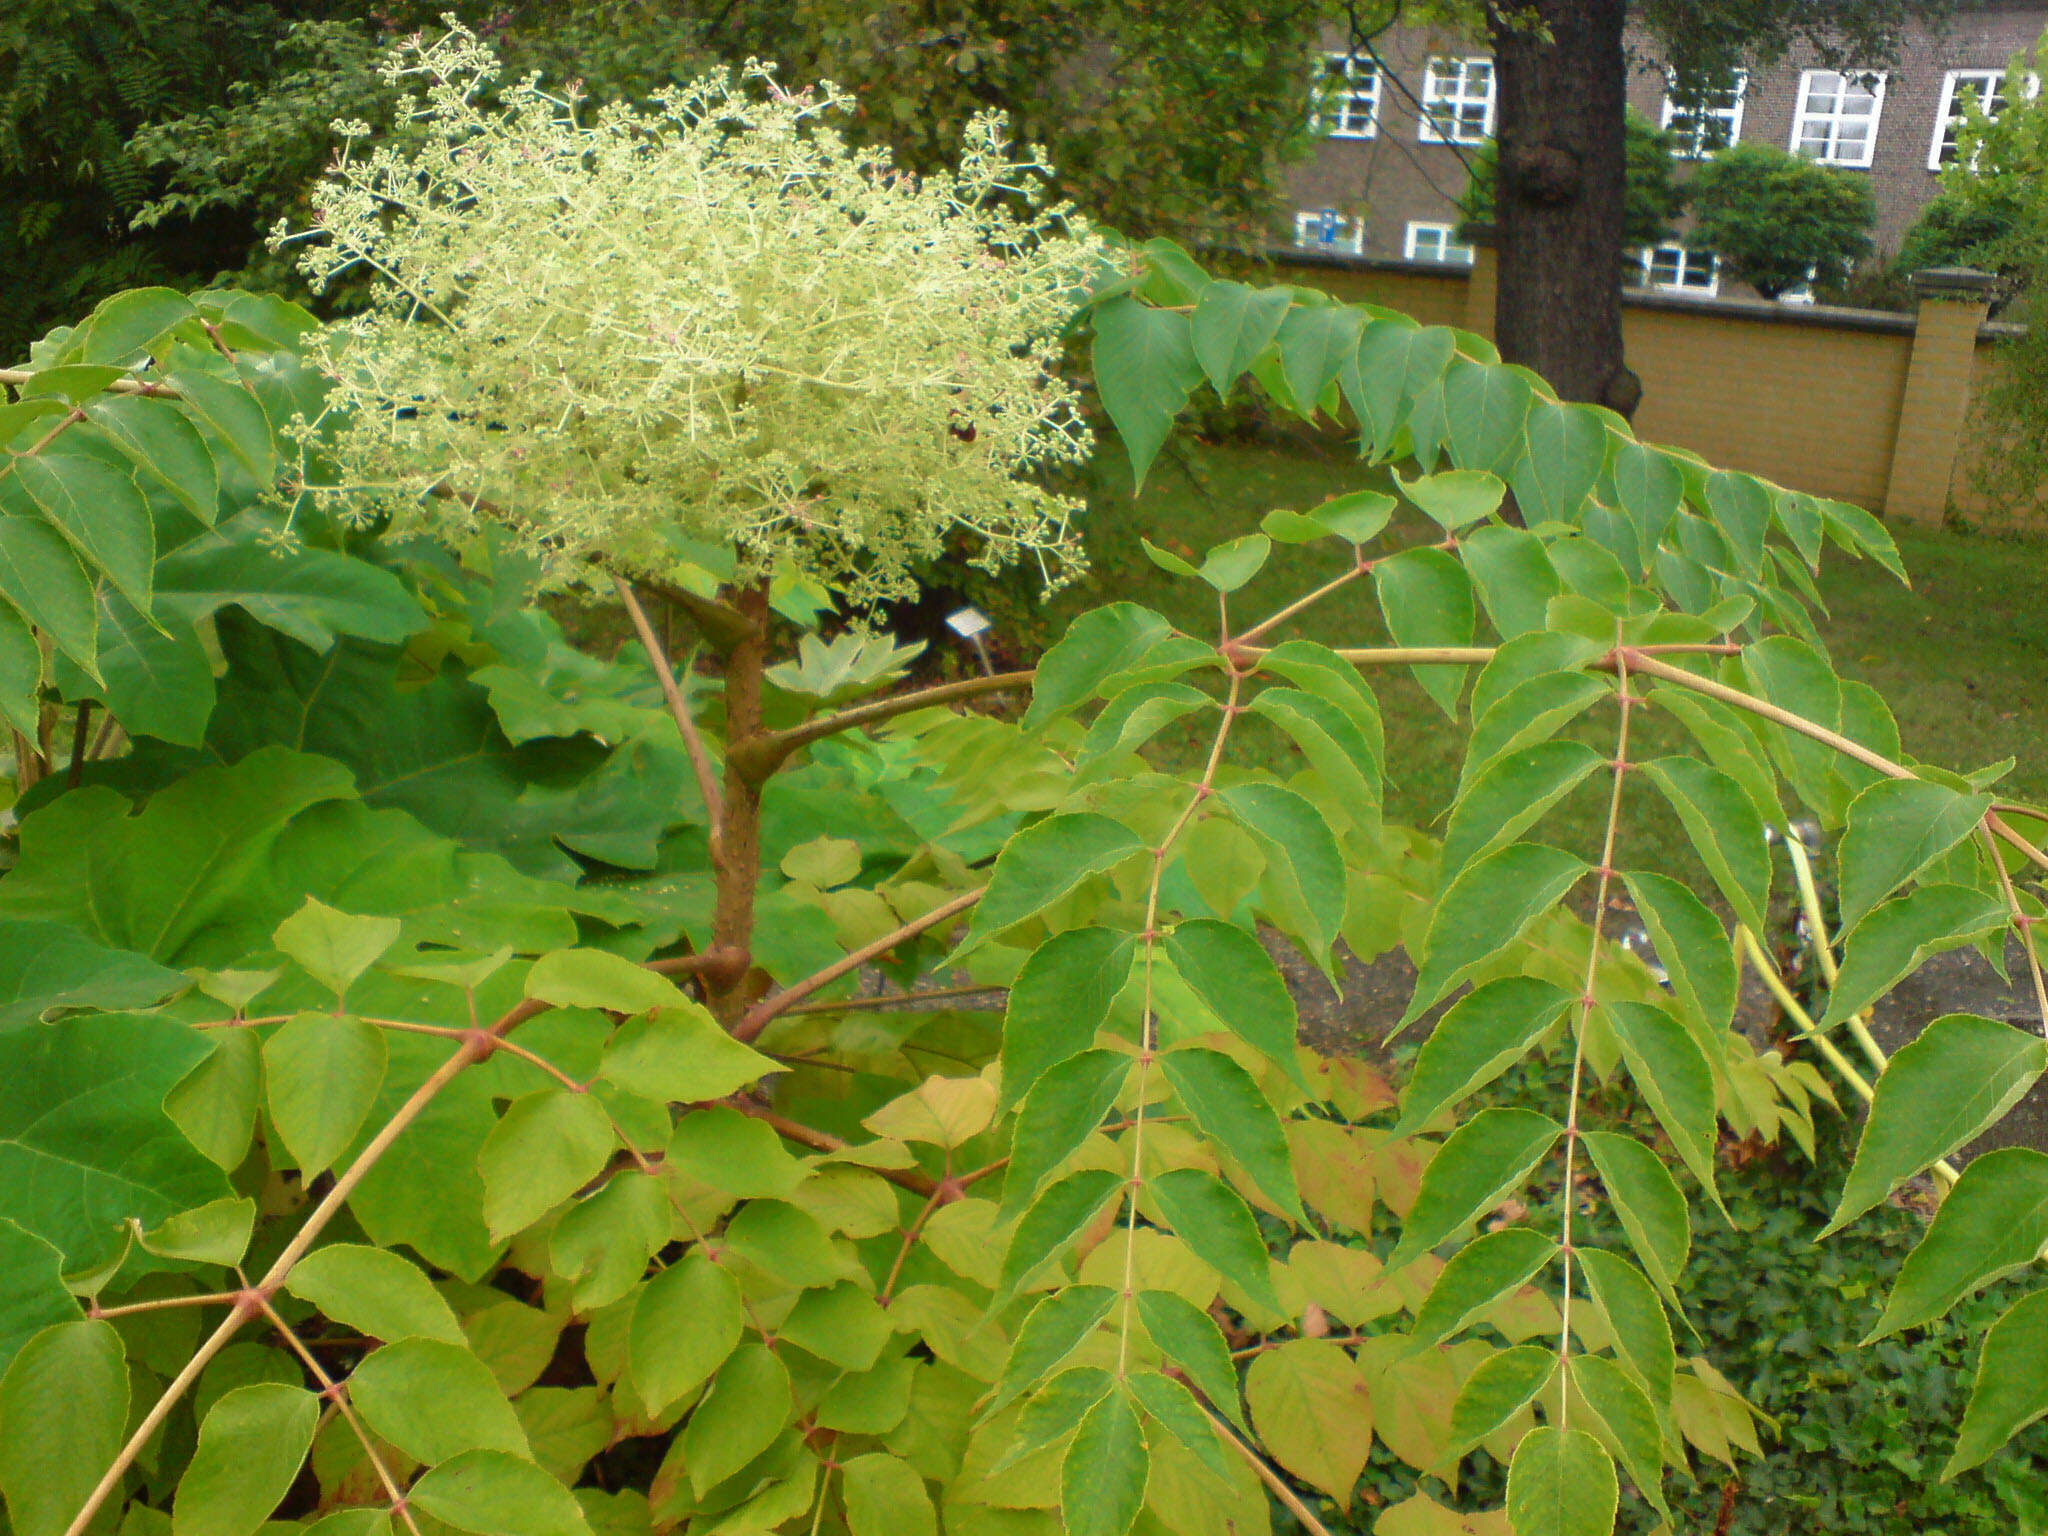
(1779, 220)
(1562, 73)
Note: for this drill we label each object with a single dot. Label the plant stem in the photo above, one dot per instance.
(475, 1048)
(891, 1000)
(165, 1303)
(1277, 1485)
(81, 738)
(781, 744)
(1586, 1003)
(1148, 1042)
(337, 1394)
(737, 865)
(2024, 921)
(679, 711)
(1360, 567)
(764, 1013)
(1824, 950)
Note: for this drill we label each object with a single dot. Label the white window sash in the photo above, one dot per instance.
(1343, 89)
(1441, 238)
(1309, 224)
(1834, 119)
(1443, 85)
(1693, 130)
(1987, 83)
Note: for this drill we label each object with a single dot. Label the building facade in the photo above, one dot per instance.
(1403, 123)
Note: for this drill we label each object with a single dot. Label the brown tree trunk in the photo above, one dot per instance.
(1560, 201)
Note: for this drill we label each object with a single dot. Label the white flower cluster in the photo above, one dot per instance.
(714, 321)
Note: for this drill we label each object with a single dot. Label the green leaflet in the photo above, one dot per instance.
(85, 1145)
(1138, 714)
(1099, 644)
(1231, 1111)
(886, 1497)
(1477, 1275)
(1054, 1411)
(1063, 1109)
(1055, 1220)
(1652, 1209)
(2011, 1389)
(1233, 324)
(1485, 909)
(735, 1153)
(493, 1493)
(1189, 1338)
(434, 1400)
(1641, 1330)
(549, 1145)
(1485, 408)
(1513, 575)
(376, 1292)
(1230, 971)
(1724, 827)
(1531, 711)
(1315, 344)
(157, 436)
(1674, 1076)
(1561, 1483)
(1480, 1036)
(1331, 740)
(1944, 1087)
(1170, 1404)
(1426, 598)
(1567, 448)
(1305, 887)
(1497, 1390)
(1042, 863)
(32, 1293)
(1484, 1161)
(1742, 509)
(1510, 795)
(1145, 366)
(251, 1447)
(321, 1075)
(99, 510)
(1059, 1000)
(63, 1416)
(747, 1407)
(1901, 933)
(1695, 948)
(1103, 1477)
(1052, 1331)
(685, 1324)
(1630, 1419)
(680, 1055)
(46, 968)
(1994, 1221)
(1218, 1226)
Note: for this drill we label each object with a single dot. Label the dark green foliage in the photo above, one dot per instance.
(1778, 219)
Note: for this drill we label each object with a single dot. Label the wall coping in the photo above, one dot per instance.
(1760, 311)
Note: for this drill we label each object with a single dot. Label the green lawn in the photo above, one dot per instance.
(1960, 656)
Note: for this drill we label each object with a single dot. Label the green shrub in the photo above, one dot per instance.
(1779, 220)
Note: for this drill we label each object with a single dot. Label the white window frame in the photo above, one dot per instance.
(1448, 252)
(1309, 222)
(1339, 89)
(1687, 260)
(1445, 83)
(1690, 132)
(1949, 117)
(1834, 119)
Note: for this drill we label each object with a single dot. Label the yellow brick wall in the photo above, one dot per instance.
(1804, 399)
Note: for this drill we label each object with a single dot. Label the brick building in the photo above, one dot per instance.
(1404, 123)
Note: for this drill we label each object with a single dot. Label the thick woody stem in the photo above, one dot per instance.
(737, 864)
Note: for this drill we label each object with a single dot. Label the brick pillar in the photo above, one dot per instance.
(1484, 283)
(1953, 303)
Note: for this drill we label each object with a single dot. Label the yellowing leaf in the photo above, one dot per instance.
(1313, 1411)
(942, 1111)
